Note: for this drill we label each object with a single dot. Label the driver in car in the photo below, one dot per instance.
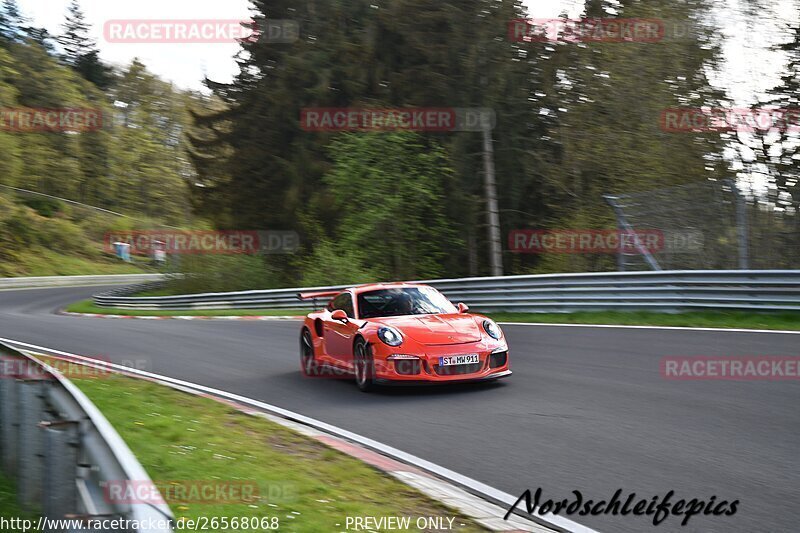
(405, 304)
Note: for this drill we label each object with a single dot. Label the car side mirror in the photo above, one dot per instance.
(462, 307)
(339, 315)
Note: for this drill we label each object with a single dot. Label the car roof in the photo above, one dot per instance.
(378, 286)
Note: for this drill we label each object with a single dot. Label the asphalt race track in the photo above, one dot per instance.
(586, 408)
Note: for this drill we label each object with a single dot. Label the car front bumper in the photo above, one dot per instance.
(416, 382)
(425, 368)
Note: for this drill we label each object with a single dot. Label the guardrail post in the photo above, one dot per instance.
(30, 444)
(10, 424)
(60, 448)
(61, 442)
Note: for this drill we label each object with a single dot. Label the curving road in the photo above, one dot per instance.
(585, 410)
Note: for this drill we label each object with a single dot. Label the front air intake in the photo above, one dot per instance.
(498, 359)
(457, 370)
(407, 367)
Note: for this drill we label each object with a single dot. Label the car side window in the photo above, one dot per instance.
(348, 306)
(344, 302)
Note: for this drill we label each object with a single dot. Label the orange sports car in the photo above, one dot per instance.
(400, 333)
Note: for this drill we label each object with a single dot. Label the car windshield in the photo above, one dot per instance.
(403, 301)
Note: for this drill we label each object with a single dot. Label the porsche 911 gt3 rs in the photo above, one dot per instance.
(400, 333)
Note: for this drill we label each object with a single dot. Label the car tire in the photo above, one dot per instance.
(308, 362)
(363, 366)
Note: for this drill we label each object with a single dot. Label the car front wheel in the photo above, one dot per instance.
(307, 361)
(364, 366)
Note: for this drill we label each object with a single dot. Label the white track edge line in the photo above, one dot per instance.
(81, 286)
(280, 318)
(468, 483)
(672, 328)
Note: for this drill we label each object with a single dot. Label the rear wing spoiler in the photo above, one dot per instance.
(316, 295)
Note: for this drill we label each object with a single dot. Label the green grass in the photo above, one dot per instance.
(8, 499)
(45, 262)
(731, 319)
(721, 319)
(156, 292)
(87, 306)
(310, 487)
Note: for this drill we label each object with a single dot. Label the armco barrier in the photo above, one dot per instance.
(75, 281)
(667, 291)
(62, 451)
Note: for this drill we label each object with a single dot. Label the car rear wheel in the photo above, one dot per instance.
(307, 361)
(364, 367)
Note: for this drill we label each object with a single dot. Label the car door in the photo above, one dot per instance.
(338, 336)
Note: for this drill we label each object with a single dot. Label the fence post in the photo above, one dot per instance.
(741, 227)
(623, 224)
(493, 214)
(30, 444)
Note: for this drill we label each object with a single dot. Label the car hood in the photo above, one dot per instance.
(437, 329)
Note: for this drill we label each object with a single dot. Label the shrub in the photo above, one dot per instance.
(220, 273)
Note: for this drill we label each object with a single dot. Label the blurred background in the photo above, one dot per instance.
(202, 137)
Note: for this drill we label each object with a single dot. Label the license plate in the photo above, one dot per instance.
(453, 360)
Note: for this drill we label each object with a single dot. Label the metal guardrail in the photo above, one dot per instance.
(75, 281)
(666, 291)
(62, 451)
(302, 423)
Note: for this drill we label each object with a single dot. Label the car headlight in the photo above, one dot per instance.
(492, 329)
(390, 336)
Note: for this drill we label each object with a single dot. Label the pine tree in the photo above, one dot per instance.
(79, 49)
(11, 21)
(91, 68)
(42, 37)
(75, 40)
(260, 169)
(783, 155)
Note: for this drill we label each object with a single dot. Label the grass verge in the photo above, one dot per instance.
(87, 306)
(306, 485)
(8, 499)
(44, 262)
(731, 319)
